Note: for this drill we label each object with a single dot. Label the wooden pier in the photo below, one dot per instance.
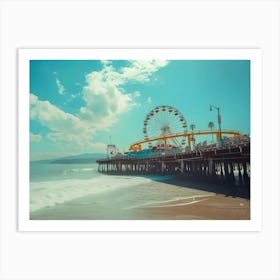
(229, 165)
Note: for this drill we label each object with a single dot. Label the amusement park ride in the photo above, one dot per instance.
(169, 148)
(166, 128)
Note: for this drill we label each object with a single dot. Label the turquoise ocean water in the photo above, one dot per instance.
(78, 191)
(52, 184)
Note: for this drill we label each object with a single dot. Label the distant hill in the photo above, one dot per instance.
(42, 161)
(83, 158)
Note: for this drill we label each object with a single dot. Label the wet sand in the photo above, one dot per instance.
(212, 202)
(216, 207)
(175, 198)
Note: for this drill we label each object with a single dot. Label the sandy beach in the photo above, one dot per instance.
(212, 202)
(216, 207)
(173, 198)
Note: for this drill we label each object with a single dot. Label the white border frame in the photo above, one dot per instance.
(254, 55)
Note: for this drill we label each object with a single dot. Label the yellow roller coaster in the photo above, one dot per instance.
(137, 146)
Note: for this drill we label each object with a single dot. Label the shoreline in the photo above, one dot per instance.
(215, 207)
(218, 202)
(223, 188)
(188, 200)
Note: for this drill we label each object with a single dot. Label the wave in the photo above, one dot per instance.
(82, 169)
(177, 201)
(50, 193)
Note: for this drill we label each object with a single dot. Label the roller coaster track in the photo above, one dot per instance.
(137, 146)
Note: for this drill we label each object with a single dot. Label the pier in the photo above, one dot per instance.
(229, 165)
(169, 148)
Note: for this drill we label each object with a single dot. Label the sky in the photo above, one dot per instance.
(80, 106)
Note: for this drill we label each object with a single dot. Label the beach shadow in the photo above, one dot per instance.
(227, 189)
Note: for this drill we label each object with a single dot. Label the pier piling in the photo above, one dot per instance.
(229, 166)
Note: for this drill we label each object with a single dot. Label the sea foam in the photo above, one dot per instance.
(50, 193)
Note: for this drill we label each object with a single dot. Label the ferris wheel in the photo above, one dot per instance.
(164, 121)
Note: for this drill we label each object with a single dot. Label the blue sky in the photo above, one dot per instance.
(76, 106)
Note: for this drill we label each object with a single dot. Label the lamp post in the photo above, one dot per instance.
(219, 123)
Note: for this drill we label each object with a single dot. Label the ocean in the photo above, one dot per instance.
(78, 191)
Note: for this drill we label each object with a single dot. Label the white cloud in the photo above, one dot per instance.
(105, 99)
(141, 70)
(60, 86)
(35, 137)
(149, 100)
(65, 128)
